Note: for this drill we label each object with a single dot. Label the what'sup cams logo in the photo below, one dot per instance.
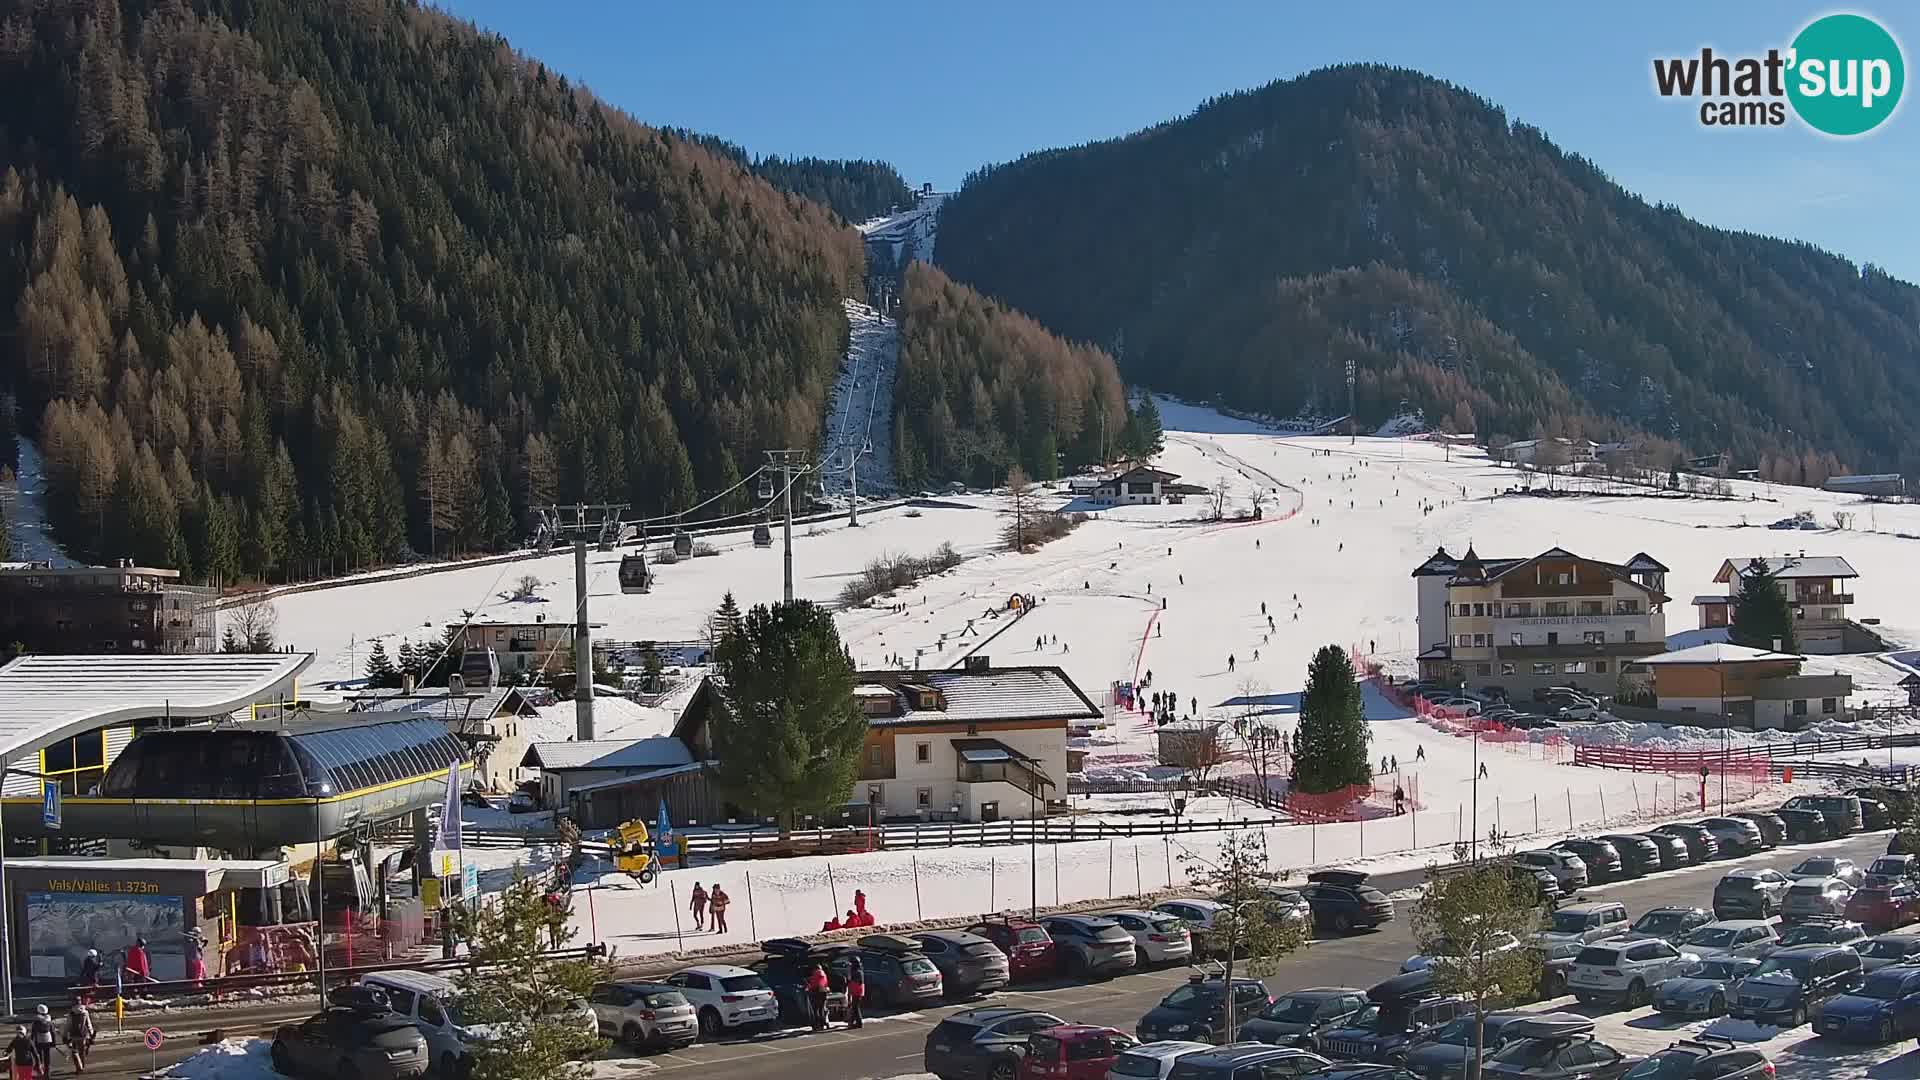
(1842, 76)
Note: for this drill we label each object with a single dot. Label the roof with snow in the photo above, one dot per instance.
(659, 752)
(1012, 694)
(436, 702)
(1790, 566)
(1471, 569)
(1718, 652)
(44, 698)
(1642, 562)
(1438, 564)
(1711, 599)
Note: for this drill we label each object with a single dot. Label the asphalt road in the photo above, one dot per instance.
(891, 1045)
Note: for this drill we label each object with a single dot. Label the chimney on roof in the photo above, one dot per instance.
(406, 683)
(539, 618)
(977, 662)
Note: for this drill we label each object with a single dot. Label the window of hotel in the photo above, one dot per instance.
(1542, 668)
(1800, 706)
(1480, 641)
(1591, 607)
(1574, 667)
(1557, 607)
(1829, 612)
(1828, 705)
(1553, 637)
(1479, 610)
(1628, 635)
(923, 797)
(1599, 667)
(1513, 638)
(873, 756)
(1506, 669)
(1463, 641)
(1594, 637)
(923, 752)
(1463, 610)
(876, 793)
(1626, 607)
(1562, 577)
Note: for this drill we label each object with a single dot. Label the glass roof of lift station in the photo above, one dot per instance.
(301, 759)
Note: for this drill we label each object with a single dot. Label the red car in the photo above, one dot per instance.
(1073, 1052)
(1880, 908)
(1028, 946)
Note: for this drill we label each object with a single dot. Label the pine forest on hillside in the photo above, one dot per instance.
(856, 190)
(1466, 265)
(297, 288)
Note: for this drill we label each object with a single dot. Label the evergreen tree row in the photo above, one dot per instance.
(1456, 257)
(856, 190)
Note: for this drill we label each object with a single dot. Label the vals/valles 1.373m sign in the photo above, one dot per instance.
(1843, 75)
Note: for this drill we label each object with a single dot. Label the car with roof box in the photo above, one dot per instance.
(1585, 922)
(1554, 1046)
(1673, 850)
(1442, 1053)
(644, 1015)
(1343, 901)
(1703, 1057)
(1152, 1061)
(1773, 831)
(1703, 988)
(1624, 971)
(984, 1043)
(1255, 1061)
(1702, 846)
(1073, 1052)
(1893, 869)
(1751, 892)
(1090, 945)
(1884, 1007)
(1197, 1009)
(1025, 944)
(1804, 826)
(1639, 856)
(969, 964)
(1397, 1011)
(1788, 985)
(1293, 1018)
(1732, 937)
(1887, 950)
(1812, 898)
(898, 973)
(1669, 924)
(784, 968)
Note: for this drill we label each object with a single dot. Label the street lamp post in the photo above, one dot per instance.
(1475, 728)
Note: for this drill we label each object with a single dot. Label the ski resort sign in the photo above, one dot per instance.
(1842, 75)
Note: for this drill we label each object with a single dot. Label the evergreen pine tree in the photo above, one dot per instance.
(1148, 437)
(650, 666)
(407, 661)
(513, 981)
(1330, 745)
(381, 673)
(725, 620)
(786, 730)
(1761, 613)
(230, 641)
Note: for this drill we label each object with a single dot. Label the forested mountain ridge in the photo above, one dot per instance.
(291, 288)
(857, 190)
(1247, 251)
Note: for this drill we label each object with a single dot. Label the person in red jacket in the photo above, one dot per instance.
(137, 965)
(816, 986)
(830, 925)
(856, 989)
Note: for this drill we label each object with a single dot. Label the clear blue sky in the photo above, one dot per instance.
(938, 89)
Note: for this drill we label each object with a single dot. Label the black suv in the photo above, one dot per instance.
(1803, 824)
(785, 967)
(1639, 856)
(1773, 831)
(983, 1044)
(1198, 1012)
(1793, 981)
(1703, 1057)
(1701, 845)
(1399, 1008)
(1603, 859)
(1293, 1018)
(1342, 901)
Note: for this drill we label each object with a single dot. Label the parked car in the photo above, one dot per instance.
(371, 1043)
(1025, 944)
(1624, 971)
(1890, 869)
(1247, 1063)
(1397, 1009)
(1773, 831)
(1497, 942)
(1545, 889)
(969, 964)
(1810, 898)
(1674, 852)
(1554, 1046)
(1073, 1052)
(1342, 901)
(1200, 916)
(1602, 859)
(1569, 870)
(1703, 1057)
(1357, 1070)
(1884, 1007)
(1752, 938)
(1821, 867)
(1639, 856)
(1577, 710)
(1444, 1051)
(522, 802)
(1585, 922)
(1704, 987)
(1158, 938)
(1197, 1009)
(1456, 703)
(1843, 813)
(1293, 1019)
(984, 1043)
(1287, 905)
(1823, 932)
(1090, 945)
(432, 1002)
(1791, 982)
(726, 998)
(784, 969)
(1880, 908)
(1555, 961)
(1755, 893)
(1701, 846)
(1804, 826)
(1736, 836)
(1669, 924)
(1876, 953)
(1545, 694)
(644, 1015)
(899, 974)
(1874, 815)
(1152, 1061)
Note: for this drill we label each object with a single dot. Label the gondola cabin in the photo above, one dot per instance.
(634, 575)
(762, 536)
(683, 544)
(766, 486)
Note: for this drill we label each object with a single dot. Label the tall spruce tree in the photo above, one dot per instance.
(785, 728)
(1761, 613)
(1148, 438)
(725, 620)
(1330, 745)
(381, 674)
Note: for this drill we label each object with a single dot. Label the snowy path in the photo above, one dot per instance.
(860, 414)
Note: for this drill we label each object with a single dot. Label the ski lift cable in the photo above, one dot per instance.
(676, 515)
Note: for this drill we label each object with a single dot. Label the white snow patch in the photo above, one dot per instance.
(230, 1059)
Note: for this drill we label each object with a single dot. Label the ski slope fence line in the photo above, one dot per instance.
(1646, 760)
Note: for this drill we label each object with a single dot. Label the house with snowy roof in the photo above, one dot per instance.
(1817, 587)
(1554, 619)
(1141, 485)
(1752, 688)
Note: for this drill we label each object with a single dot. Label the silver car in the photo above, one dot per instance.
(1703, 989)
(1811, 898)
(1752, 938)
(644, 1015)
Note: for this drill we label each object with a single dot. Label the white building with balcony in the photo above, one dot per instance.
(1555, 619)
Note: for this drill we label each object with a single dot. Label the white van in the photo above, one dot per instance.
(432, 1003)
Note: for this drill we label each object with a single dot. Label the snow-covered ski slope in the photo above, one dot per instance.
(25, 508)
(910, 233)
(860, 415)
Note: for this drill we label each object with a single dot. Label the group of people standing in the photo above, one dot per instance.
(704, 902)
(818, 988)
(30, 1055)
